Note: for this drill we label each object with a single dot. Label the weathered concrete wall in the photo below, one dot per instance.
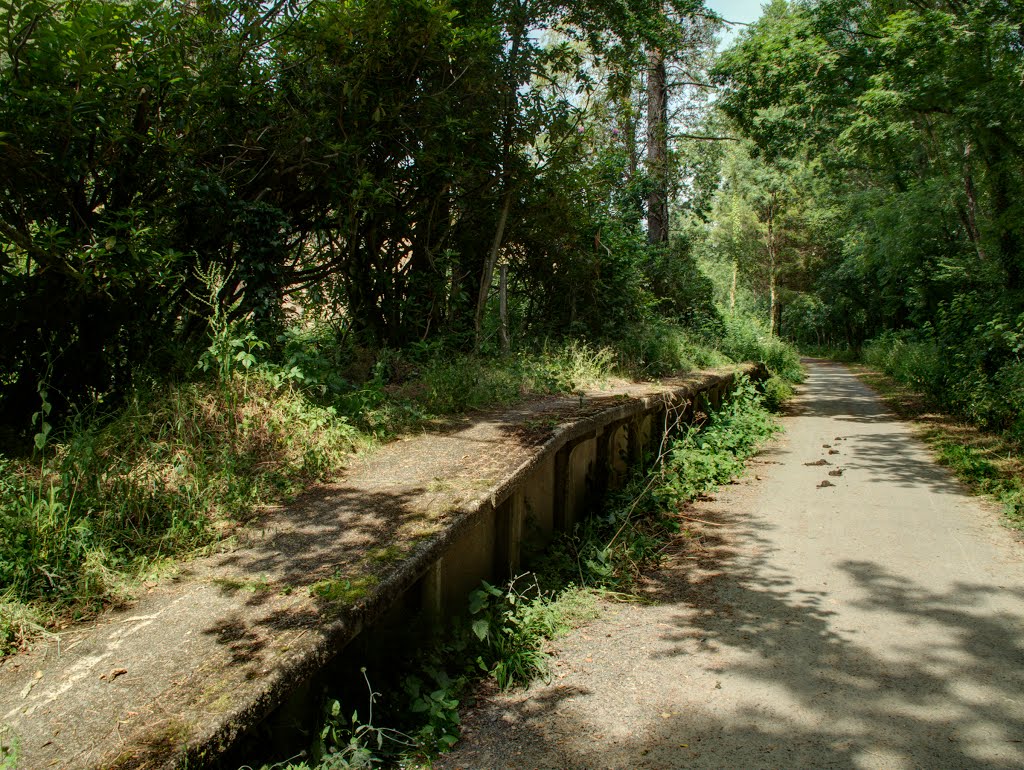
(558, 488)
(555, 489)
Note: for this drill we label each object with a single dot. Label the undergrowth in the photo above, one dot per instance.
(111, 499)
(658, 348)
(507, 629)
(165, 477)
(107, 499)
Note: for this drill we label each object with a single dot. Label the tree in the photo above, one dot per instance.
(909, 111)
(761, 227)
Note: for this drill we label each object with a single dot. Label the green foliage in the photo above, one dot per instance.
(433, 702)
(975, 468)
(232, 345)
(745, 340)
(345, 161)
(913, 362)
(983, 381)
(513, 624)
(658, 348)
(776, 391)
(901, 117)
(345, 741)
(409, 386)
(452, 384)
(19, 625)
(706, 457)
(159, 479)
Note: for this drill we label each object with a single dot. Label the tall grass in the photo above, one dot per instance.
(659, 348)
(745, 339)
(453, 383)
(166, 476)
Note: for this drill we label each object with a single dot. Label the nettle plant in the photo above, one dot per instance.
(232, 344)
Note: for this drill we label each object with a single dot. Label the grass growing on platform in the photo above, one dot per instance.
(109, 499)
(171, 473)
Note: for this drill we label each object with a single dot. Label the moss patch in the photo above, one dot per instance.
(344, 590)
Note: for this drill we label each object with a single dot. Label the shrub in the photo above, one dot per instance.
(163, 477)
(745, 340)
(659, 348)
(776, 391)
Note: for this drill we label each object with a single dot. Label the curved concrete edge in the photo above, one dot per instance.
(204, 745)
(201, 713)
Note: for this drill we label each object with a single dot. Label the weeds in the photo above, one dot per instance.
(168, 475)
(513, 624)
(106, 499)
(745, 340)
(658, 348)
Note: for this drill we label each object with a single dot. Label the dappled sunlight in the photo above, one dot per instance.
(873, 625)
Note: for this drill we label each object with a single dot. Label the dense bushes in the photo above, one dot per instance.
(365, 163)
(979, 376)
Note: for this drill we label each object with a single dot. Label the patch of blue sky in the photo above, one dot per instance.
(739, 11)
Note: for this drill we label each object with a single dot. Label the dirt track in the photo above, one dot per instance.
(876, 623)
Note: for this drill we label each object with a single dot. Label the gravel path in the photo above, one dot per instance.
(875, 623)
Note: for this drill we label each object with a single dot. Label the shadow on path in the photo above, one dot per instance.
(748, 658)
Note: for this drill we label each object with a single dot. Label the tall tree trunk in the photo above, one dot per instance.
(657, 148)
(771, 245)
(488, 275)
(507, 142)
(503, 308)
(971, 214)
(1008, 246)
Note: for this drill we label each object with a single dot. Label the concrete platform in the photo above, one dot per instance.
(175, 679)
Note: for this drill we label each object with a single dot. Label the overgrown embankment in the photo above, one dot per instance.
(409, 712)
(109, 500)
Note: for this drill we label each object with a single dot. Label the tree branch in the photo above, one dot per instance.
(704, 138)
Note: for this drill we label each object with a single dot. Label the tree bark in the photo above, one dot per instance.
(771, 244)
(507, 141)
(732, 287)
(972, 205)
(488, 275)
(657, 148)
(503, 308)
